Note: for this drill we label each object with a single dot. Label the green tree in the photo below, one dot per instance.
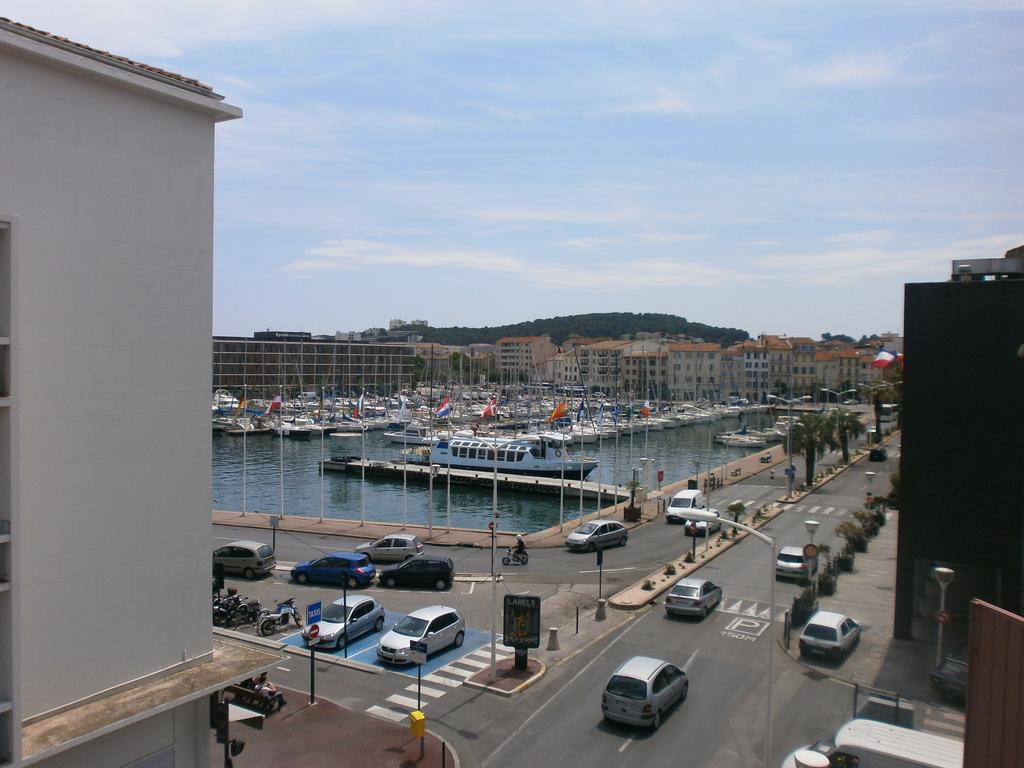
(811, 435)
(846, 424)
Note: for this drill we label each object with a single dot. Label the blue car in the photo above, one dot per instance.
(347, 568)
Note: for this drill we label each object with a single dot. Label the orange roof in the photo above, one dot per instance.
(694, 347)
(823, 355)
(100, 55)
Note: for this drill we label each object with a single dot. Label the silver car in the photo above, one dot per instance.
(597, 534)
(643, 690)
(436, 625)
(790, 564)
(692, 597)
(392, 549)
(246, 558)
(339, 620)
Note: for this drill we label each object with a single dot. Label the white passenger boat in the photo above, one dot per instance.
(412, 434)
(543, 454)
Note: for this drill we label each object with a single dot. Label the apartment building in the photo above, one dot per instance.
(694, 371)
(524, 357)
(600, 363)
(106, 239)
(805, 369)
(645, 371)
(265, 364)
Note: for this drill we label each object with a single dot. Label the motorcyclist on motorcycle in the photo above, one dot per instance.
(520, 545)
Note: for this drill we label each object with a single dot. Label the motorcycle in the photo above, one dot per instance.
(513, 556)
(269, 623)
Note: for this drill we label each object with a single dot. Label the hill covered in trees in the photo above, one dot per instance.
(612, 325)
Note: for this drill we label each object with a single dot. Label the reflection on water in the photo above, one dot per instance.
(289, 469)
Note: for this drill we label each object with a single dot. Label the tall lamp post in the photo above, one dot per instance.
(790, 472)
(945, 577)
(708, 517)
(838, 394)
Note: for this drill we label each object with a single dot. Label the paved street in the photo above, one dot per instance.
(558, 718)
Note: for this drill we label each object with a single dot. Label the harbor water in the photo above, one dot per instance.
(284, 475)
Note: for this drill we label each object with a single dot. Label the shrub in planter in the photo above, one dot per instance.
(670, 569)
(648, 584)
(826, 583)
(804, 606)
(854, 535)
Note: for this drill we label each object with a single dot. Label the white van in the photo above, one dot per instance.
(682, 503)
(870, 744)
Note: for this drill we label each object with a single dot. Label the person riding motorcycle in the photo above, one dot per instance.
(520, 544)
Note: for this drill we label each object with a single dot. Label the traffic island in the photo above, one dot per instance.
(507, 679)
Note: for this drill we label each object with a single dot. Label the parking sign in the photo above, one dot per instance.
(312, 613)
(418, 652)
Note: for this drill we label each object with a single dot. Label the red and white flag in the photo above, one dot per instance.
(883, 359)
(275, 404)
(491, 410)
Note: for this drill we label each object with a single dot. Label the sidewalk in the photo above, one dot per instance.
(301, 734)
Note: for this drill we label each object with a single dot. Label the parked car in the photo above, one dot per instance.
(950, 679)
(597, 534)
(346, 568)
(829, 634)
(703, 527)
(246, 558)
(681, 503)
(394, 548)
(361, 614)
(422, 571)
(790, 564)
(642, 690)
(692, 597)
(878, 454)
(436, 625)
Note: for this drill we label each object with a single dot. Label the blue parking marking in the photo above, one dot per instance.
(364, 649)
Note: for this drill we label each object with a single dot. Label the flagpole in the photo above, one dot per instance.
(362, 470)
(321, 453)
(244, 408)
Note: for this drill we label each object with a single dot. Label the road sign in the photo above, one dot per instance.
(314, 631)
(790, 471)
(661, 475)
(274, 520)
(418, 652)
(810, 551)
(600, 556)
(312, 613)
(521, 625)
(943, 617)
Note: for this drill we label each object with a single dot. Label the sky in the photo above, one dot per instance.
(778, 166)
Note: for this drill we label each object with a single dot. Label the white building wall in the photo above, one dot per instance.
(113, 194)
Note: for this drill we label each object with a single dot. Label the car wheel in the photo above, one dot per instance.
(656, 723)
(459, 637)
(390, 582)
(703, 611)
(302, 578)
(337, 643)
(623, 540)
(249, 573)
(591, 546)
(350, 582)
(440, 584)
(379, 625)
(686, 692)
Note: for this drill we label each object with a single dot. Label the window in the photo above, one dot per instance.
(661, 682)
(627, 687)
(844, 760)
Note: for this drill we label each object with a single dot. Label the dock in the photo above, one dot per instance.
(526, 483)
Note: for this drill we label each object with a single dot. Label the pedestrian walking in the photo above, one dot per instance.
(771, 474)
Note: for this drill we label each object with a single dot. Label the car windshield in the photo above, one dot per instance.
(685, 503)
(819, 632)
(627, 687)
(791, 558)
(335, 613)
(684, 591)
(586, 529)
(410, 626)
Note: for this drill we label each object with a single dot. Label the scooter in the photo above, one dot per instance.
(512, 556)
(269, 623)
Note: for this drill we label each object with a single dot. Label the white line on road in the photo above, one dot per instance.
(472, 585)
(611, 570)
(812, 510)
(542, 707)
(426, 690)
(627, 742)
(828, 510)
(689, 661)
(402, 701)
(284, 669)
(388, 714)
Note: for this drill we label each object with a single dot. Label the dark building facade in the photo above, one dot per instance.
(962, 463)
(293, 363)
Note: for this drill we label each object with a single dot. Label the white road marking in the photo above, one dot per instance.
(627, 742)
(733, 608)
(447, 682)
(472, 586)
(388, 714)
(612, 570)
(751, 611)
(426, 690)
(586, 667)
(828, 510)
(450, 670)
(689, 661)
(473, 662)
(284, 669)
(812, 510)
(402, 701)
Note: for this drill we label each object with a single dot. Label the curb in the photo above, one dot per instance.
(335, 660)
(521, 687)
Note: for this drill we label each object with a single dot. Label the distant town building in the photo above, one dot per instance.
(397, 323)
(525, 357)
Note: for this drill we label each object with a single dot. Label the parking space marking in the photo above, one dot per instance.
(752, 608)
(472, 586)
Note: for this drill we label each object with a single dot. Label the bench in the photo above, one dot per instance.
(254, 700)
(736, 472)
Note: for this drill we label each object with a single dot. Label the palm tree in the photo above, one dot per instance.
(811, 435)
(846, 424)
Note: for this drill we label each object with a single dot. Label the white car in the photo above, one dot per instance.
(395, 548)
(436, 625)
(692, 597)
(682, 503)
(597, 534)
(791, 564)
(362, 614)
(829, 634)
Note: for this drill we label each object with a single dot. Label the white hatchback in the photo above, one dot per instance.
(829, 634)
(436, 625)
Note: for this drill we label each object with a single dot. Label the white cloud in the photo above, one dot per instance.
(351, 254)
(865, 236)
(663, 104)
(854, 69)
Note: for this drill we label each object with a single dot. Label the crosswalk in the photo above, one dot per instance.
(944, 722)
(435, 685)
(805, 509)
(751, 608)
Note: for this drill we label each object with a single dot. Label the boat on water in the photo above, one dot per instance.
(542, 454)
(411, 433)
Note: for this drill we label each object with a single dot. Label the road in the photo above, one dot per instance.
(559, 718)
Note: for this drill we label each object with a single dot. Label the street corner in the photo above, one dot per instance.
(508, 680)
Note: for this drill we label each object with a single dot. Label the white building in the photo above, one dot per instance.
(106, 232)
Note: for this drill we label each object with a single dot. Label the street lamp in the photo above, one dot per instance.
(708, 517)
(790, 472)
(945, 577)
(838, 394)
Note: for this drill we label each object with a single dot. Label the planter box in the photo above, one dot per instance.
(799, 615)
(846, 564)
(860, 545)
(631, 514)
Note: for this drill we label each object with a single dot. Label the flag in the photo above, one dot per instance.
(883, 359)
(615, 414)
(358, 412)
(646, 410)
(241, 405)
(401, 408)
(580, 412)
(559, 412)
(275, 404)
(600, 414)
(443, 410)
(491, 411)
